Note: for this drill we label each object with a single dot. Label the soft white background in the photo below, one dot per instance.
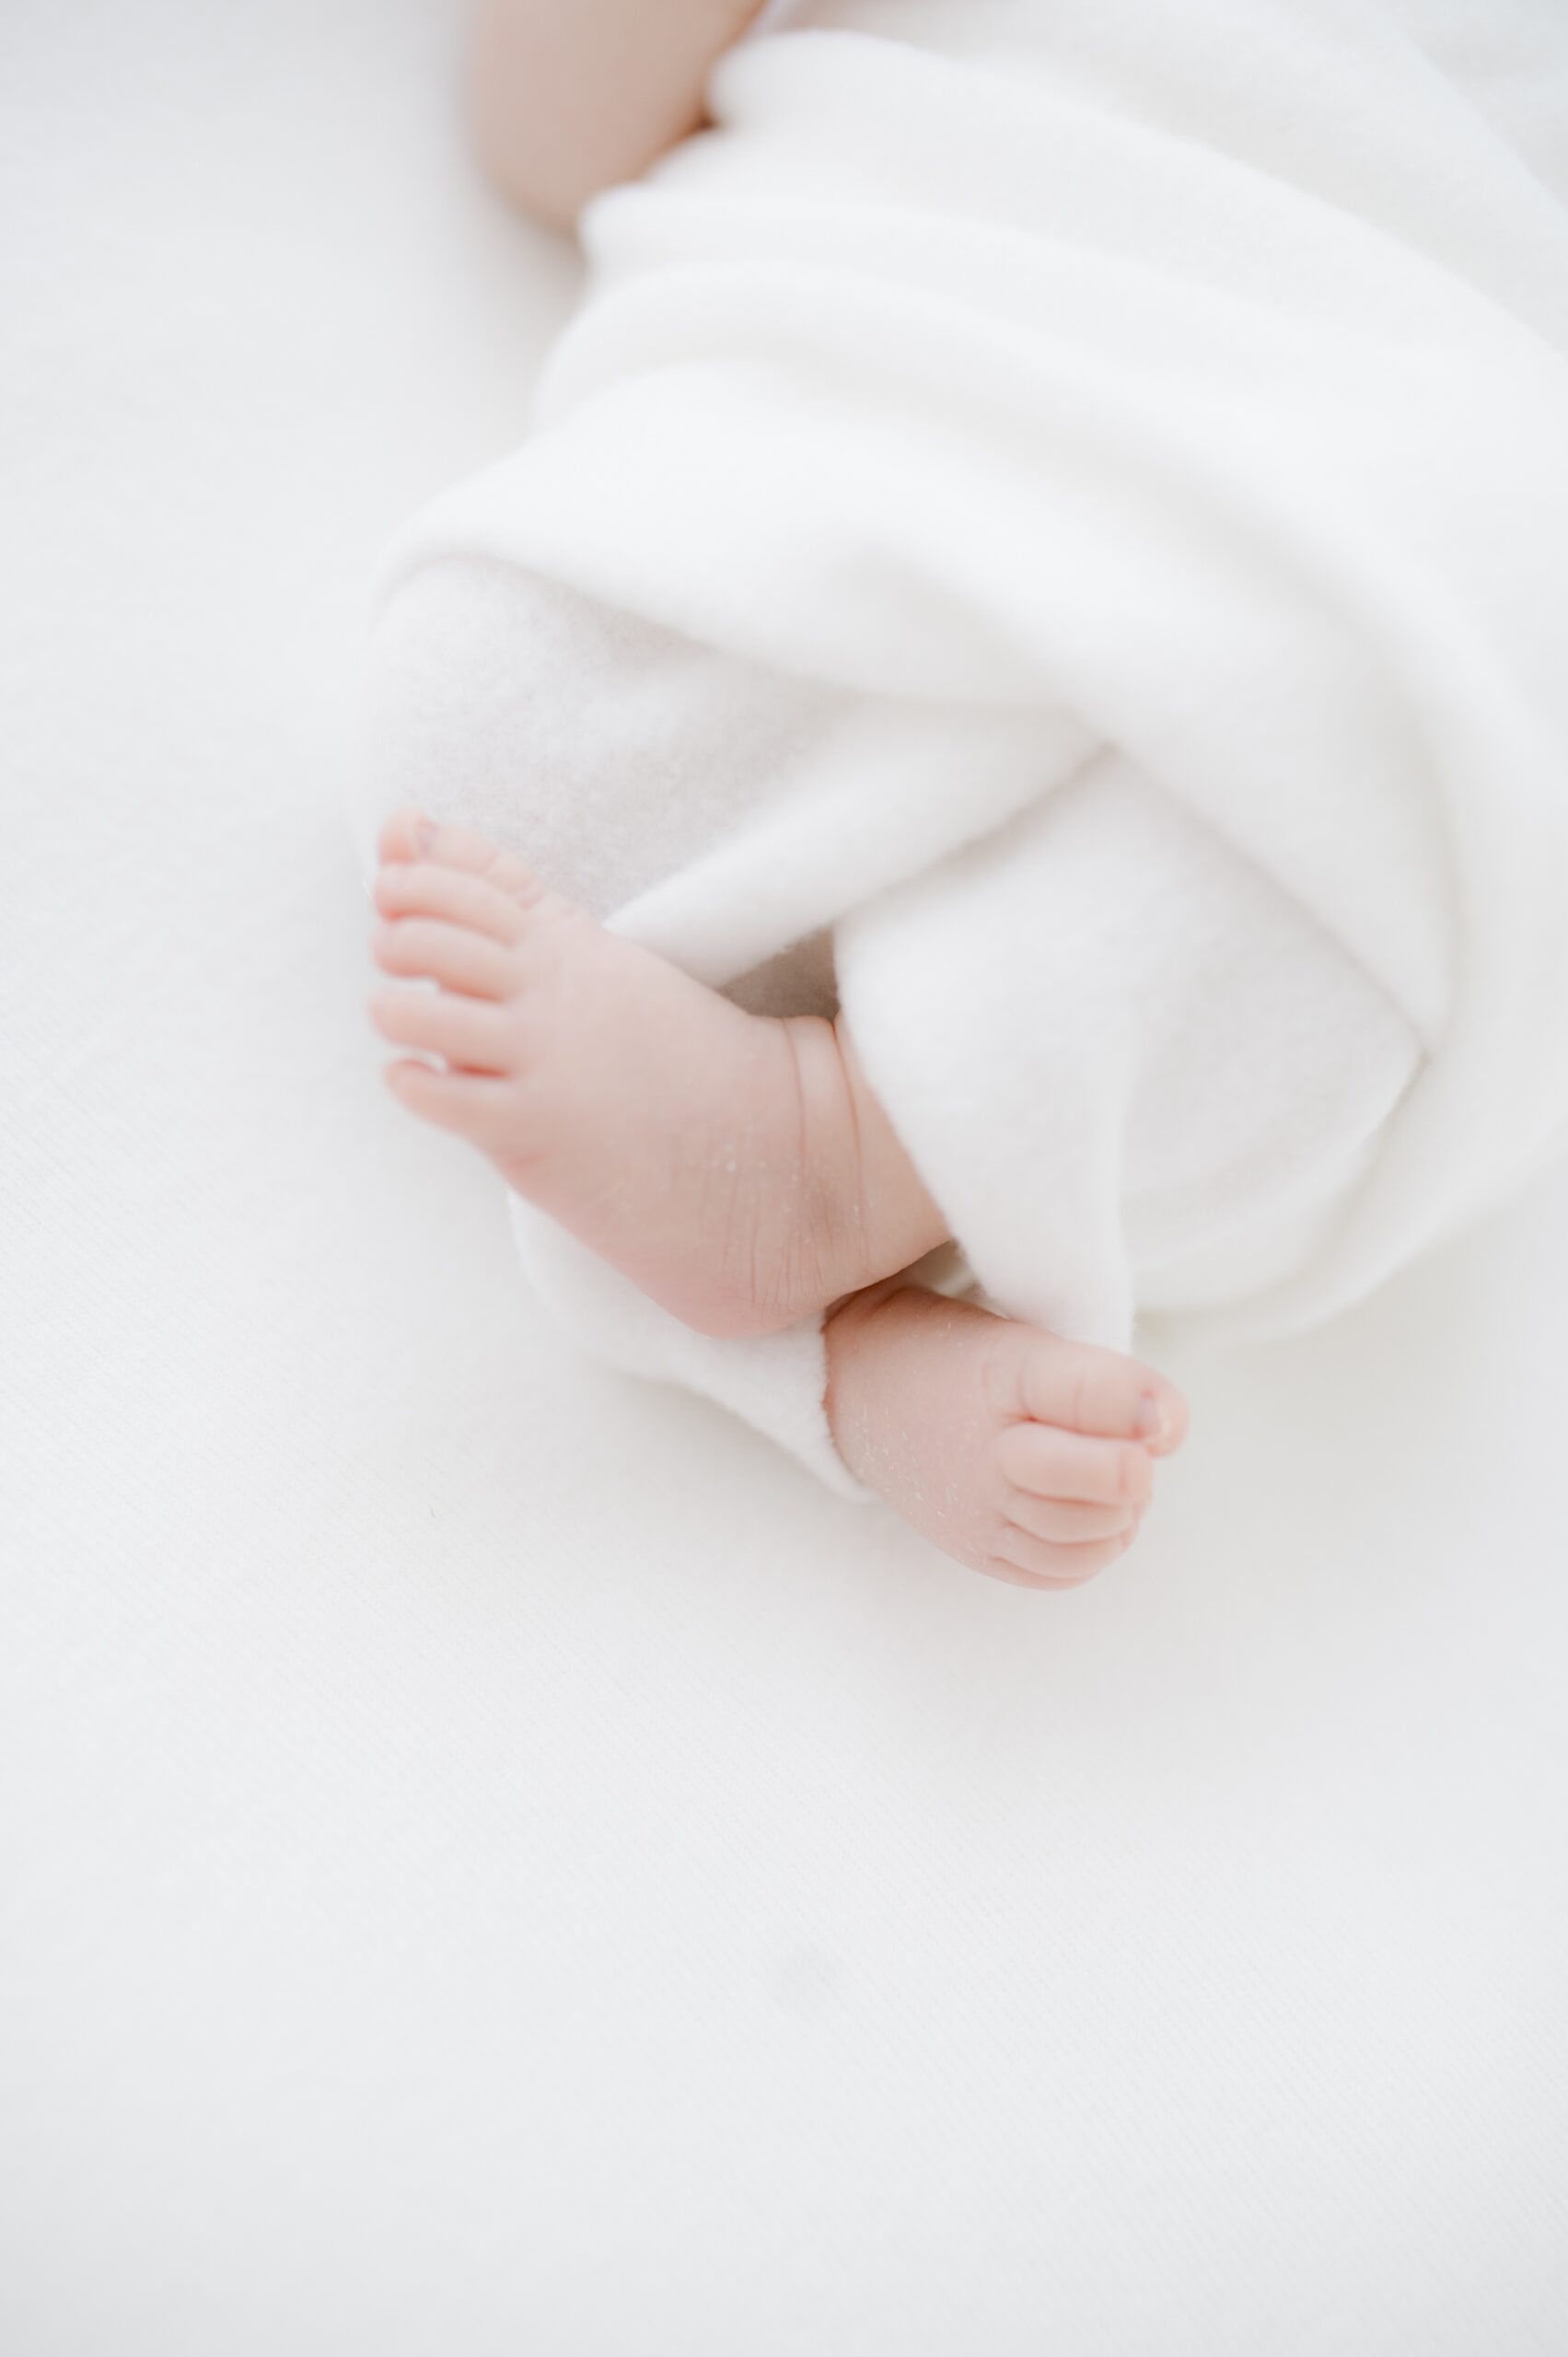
(494, 1859)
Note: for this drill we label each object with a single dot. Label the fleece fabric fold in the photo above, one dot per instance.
(1061, 514)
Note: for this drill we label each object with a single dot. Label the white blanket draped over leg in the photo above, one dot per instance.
(1051, 526)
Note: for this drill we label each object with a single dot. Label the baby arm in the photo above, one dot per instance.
(569, 96)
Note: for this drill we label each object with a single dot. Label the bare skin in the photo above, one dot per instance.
(1027, 1458)
(569, 96)
(739, 1169)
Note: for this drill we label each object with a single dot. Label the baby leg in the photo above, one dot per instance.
(1025, 1457)
(738, 1169)
(734, 1166)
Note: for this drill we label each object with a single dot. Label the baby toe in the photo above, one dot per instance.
(1067, 1522)
(421, 889)
(1162, 1414)
(1030, 1562)
(466, 1032)
(1049, 1462)
(469, 1105)
(426, 949)
(1077, 1385)
(476, 856)
(399, 837)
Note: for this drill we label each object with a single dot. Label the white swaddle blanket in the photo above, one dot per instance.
(1089, 481)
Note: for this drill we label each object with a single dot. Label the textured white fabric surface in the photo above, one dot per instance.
(1193, 383)
(1010, 380)
(493, 1857)
(1132, 1070)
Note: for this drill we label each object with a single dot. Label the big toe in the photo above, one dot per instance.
(1088, 1389)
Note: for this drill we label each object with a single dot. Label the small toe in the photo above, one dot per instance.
(1052, 1463)
(475, 855)
(1037, 1562)
(1090, 1390)
(472, 1033)
(1067, 1522)
(471, 1105)
(421, 889)
(426, 949)
(402, 836)
(1162, 1417)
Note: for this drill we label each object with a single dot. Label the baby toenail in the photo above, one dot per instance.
(423, 835)
(1151, 1417)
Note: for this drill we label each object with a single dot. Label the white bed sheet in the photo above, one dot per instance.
(494, 1858)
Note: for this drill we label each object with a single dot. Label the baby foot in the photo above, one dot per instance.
(734, 1166)
(1028, 1457)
